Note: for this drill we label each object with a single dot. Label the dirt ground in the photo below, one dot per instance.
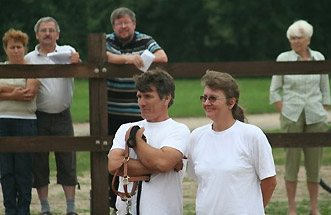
(57, 200)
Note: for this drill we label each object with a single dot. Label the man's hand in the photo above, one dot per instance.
(139, 133)
(179, 166)
(74, 58)
(135, 60)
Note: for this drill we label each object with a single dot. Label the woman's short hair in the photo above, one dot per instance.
(120, 12)
(16, 35)
(300, 28)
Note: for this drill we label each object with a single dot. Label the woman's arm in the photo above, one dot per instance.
(268, 186)
(19, 93)
(33, 86)
(12, 93)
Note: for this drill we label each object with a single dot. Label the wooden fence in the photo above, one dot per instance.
(97, 70)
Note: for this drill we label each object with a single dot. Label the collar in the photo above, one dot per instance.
(297, 57)
(39, 53)
(117, 42)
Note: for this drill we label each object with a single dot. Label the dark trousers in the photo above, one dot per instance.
(16, 168)
(56, 124)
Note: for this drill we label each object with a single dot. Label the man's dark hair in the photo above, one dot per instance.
(160, 79)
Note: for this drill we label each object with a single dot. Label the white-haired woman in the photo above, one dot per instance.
(302, 101)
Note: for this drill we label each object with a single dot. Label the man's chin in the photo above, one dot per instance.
(125, 39)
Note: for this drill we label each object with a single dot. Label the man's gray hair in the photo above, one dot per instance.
(120, 12)
(46, 19)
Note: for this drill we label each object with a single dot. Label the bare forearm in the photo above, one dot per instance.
(5, 96)
(160, 57)
(149, 157)
(6, 88)
(135, 167)
(117, 59)
(268, 186)
(33, 85)
(17, 94)
(159, 160)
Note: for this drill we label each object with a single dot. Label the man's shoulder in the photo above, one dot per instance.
(178, 126)
(126, 126)
(30, 55)
(111, 36)
(140, 36)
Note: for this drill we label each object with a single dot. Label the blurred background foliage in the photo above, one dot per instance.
(189, 31)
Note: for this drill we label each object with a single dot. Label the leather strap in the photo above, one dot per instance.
(126, 178)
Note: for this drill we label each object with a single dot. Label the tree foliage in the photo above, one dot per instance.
(199, 30)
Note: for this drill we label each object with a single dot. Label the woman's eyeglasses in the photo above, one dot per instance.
(212, 99)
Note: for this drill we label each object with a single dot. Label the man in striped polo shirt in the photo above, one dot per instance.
(124, 46)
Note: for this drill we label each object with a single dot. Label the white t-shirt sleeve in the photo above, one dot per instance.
(192, 146)
(119, 139)
(190, 168)
(178, 138)
(262, 156)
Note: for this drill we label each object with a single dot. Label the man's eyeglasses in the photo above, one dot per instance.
(212, 99)
(50, 30)
(120, 24)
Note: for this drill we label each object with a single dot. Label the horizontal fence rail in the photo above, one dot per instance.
(280, 140)
(177, 70)
(55, 143)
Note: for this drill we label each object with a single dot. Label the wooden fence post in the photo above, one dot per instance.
(98, 125)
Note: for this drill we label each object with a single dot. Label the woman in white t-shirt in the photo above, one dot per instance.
(231, 160)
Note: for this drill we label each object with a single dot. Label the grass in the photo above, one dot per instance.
(277, 207)
(80, 105)
(254, 98)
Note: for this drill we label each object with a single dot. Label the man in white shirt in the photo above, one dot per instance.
(161, 156)
(53, 115)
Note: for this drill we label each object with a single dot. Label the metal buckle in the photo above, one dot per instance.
(128, 206)
(126, 180)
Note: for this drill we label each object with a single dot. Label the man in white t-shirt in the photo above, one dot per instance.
(161, 155)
